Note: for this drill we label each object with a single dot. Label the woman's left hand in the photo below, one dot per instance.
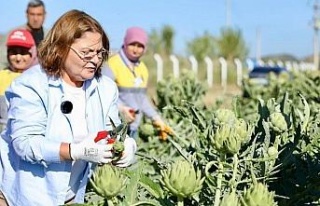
(128, 155)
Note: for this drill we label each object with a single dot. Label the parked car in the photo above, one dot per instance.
(259, 74)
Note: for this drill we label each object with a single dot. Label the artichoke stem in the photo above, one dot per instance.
(180, 201)
(234, 172)
(219, 181)
(110, 203)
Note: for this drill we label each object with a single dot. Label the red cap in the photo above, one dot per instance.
(20, 37)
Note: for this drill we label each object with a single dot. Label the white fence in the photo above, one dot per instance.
(223, 66)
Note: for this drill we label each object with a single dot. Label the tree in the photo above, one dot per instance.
(154, 43)
(231, 44)
(167, 39)
(161, 41)
(202, 46)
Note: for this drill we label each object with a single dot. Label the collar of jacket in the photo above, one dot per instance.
(89, 85)
(125, 59)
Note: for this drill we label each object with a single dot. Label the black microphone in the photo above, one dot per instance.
(66, 107)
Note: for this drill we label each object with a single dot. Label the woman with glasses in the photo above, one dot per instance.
(49, 148)
(131, 76)
(21, 55)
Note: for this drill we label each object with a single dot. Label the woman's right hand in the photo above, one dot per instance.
(91, 151)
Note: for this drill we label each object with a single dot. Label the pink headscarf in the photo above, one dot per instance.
(135, 34)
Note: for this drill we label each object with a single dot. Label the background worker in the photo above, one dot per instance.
(35, 15)
(131, 76)
(21, 55)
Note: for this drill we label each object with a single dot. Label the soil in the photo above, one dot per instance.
(214, 94)
(218, 93)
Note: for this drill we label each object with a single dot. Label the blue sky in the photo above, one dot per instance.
(281, 26)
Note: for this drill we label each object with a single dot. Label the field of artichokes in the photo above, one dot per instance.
(262, 150)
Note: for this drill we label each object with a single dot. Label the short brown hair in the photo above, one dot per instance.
(54, 48)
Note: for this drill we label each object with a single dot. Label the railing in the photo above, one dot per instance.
(224, 65)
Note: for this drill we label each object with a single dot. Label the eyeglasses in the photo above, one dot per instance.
(87, 56)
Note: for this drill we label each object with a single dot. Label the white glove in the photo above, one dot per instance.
(90, 151)
(128, 155)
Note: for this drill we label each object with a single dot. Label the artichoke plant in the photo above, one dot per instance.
(243, 130)
(278, 123)
(147, 130)
(108, 181)
(182, 180)
(223, 116)
(230, 199)
(230, 132)
(220, 136)
(229, 139)
(258, 195)
(273, 152)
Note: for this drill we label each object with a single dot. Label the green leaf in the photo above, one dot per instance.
(152, 187)
(306, 113)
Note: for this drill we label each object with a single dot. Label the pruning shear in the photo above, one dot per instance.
(132, 111)
(111, 135)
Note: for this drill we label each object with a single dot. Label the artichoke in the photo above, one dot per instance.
(230, 199)
(108, 181)
(220, 136)
(146, 130)
(117, 149)
(243, 130)
(277, 122)
(232, 144)
(181, 179)
(224, 116)
(226, 139)
(258, 195)
(273, 152)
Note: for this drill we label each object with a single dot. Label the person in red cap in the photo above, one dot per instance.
(21, 55)
(131, 76)
(35, 17)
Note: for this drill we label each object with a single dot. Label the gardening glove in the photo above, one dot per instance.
(128, 113)
(128, 155)
(91, 151)
(164, 129)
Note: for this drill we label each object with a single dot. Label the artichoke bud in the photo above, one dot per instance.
(230, 199)
(220, 136)
(258, 194)
(278, 122)
(224, 116)
(226, 140)
(117, 149)
(243, 130)
(232, 144)
(108, 181)
(272, 152)
(147, 129)
(283, 77)
(181, 179)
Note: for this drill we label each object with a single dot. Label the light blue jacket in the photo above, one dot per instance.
(31, 172)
